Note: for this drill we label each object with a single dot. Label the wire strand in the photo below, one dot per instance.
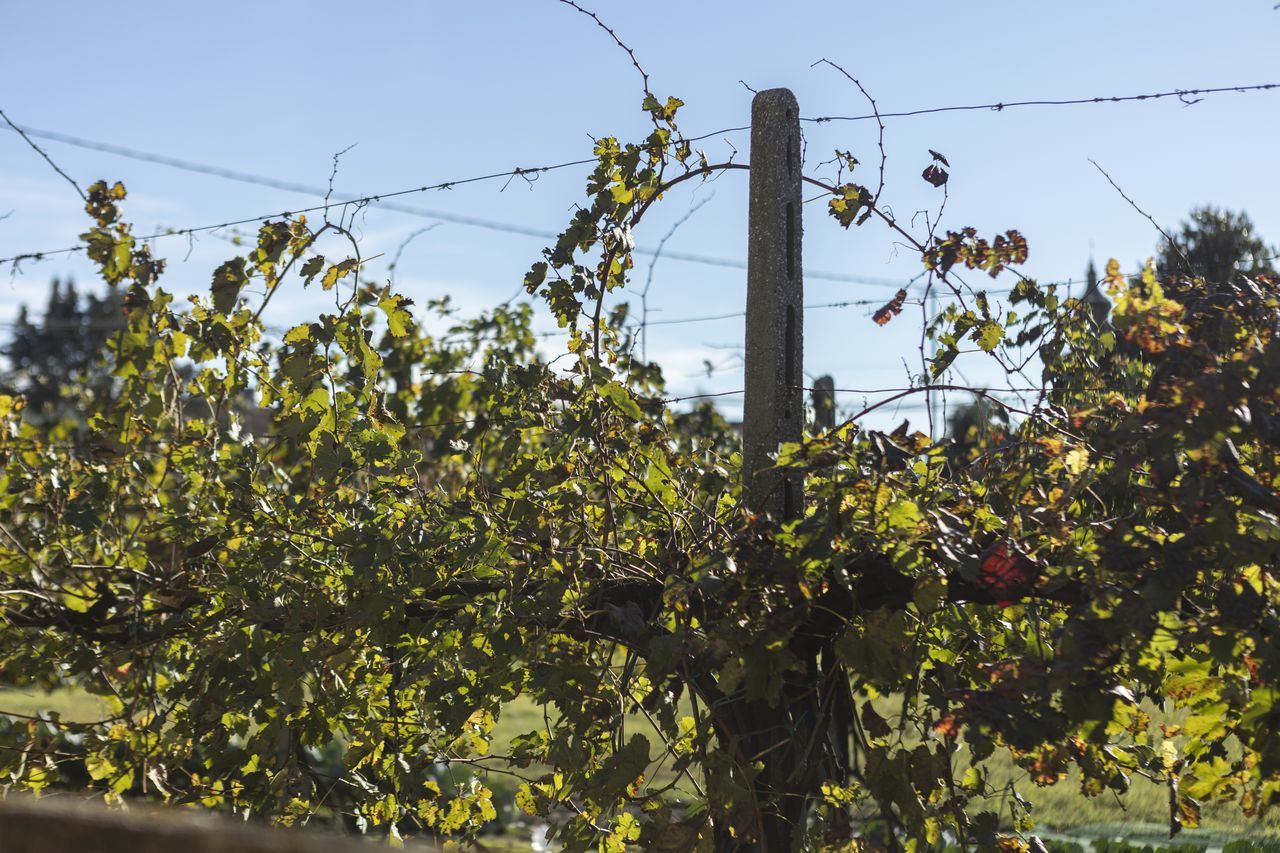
(368, 199)
(443, 216)
(1181, 94)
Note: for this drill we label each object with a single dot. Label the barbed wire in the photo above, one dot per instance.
(443, 216)
(1181, 94)
(848, 303)
(853, 303)
(43, 323)
(362, 200)
(941, 389)
(178, 163)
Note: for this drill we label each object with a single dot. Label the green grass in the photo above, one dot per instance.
(1142, 813)
(522, 716)
(490, 844)
(73, 704)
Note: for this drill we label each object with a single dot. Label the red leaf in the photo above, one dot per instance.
(890, 309)
(1252, 666)
(948, 726)
(1006, 573)
(938, 157)
(935, 175)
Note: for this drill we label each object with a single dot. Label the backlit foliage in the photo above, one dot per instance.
(325, 619)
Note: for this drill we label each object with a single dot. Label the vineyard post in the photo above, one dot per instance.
(771, 734)
(773, 406)
(824, 403)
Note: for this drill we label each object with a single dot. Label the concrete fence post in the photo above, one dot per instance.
(824, 403)
(773, 407)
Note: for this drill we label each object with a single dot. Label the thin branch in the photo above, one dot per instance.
(923, 389)
(648, 282)
(632, 222)
(333, 173)
(395, 261)
(875, 111)
(1149, 217)
(46, 157)
(644, 76)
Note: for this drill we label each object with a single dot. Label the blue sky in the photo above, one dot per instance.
(433, 91)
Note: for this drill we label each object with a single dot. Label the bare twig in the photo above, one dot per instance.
(395, 261)
(925, 389)
(333, 173)
(928, 305)
(644, 76)
(875, 111)
(648, 282)
(46, 157)
(632, 222)
(1149, 217)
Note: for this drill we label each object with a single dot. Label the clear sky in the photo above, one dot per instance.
(432, 91)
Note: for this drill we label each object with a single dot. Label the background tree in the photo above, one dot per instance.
(975, 427)
(63, 350)
(1215, 244)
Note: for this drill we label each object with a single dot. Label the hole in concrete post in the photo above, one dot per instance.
(789, 364)
(791, 242)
